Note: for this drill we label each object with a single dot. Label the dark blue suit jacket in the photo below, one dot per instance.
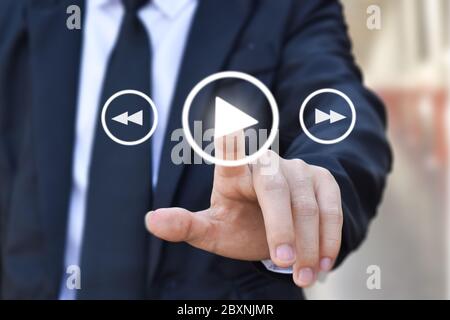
(295, 47)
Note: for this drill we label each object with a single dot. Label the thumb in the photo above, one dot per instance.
(178, 224)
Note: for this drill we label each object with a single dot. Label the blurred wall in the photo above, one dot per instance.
(406, 62)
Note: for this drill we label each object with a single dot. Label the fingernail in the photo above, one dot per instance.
(305, 276)
(285, 252)
(147, 217)
(325, 264)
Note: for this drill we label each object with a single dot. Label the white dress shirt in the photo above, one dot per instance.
(168, 24)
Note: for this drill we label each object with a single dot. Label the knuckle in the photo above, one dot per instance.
(324, 173)
(298, 163)
(271, 153)
(309, 247)
(207, 238)
(332, 245)
(268, 157)
(302, 181)
(332, 216)
(273, 183)
(305, 206)
(298, 166)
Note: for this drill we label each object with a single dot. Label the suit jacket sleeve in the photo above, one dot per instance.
(316, 54)
(13, 70)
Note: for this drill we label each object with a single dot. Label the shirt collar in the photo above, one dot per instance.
(169, 8)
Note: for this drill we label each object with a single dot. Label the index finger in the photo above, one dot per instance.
(230, 147)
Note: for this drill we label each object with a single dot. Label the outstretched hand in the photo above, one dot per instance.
(292, 216)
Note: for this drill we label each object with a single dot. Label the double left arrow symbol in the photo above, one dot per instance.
(124, 118)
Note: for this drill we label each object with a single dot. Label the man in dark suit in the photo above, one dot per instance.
(49, 187)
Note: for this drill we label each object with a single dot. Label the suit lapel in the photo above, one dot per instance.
(212, 37)
(55, 60)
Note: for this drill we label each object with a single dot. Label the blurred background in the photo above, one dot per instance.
(406, 61)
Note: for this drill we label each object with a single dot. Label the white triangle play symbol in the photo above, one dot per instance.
(320, 116)
(230, 119)
(136, 118)
(122, 118)
(334, 116)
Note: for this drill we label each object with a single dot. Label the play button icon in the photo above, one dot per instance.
(230, 119)
(225, 103)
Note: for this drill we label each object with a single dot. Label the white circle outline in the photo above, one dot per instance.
(324, 141)
(236, 75)
(142, 95)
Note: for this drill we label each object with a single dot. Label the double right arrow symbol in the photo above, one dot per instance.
(333, 117)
